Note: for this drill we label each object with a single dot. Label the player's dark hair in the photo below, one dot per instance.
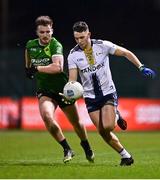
(44, 20)
(80, 26)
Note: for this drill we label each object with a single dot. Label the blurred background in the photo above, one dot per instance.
(133, 24)
(129, 23)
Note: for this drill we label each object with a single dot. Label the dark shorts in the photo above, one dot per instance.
(54, 96)
(98, 102)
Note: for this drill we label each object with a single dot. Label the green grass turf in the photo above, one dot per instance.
(36, 155)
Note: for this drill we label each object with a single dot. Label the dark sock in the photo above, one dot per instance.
(85, 145)
(65, 144)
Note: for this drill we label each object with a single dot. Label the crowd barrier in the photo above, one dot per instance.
(141, 114)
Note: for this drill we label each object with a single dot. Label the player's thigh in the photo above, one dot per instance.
(47, 107)
(95, 118)
(108, 116)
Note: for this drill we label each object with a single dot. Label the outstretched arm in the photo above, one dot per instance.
(120, 51)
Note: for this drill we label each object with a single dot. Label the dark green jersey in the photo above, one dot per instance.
(42, 56)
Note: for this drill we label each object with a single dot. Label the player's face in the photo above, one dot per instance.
(44, 33)
(82, 38)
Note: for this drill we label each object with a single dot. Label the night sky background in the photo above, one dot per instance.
(131, 23)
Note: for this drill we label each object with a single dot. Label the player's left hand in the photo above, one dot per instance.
(33, 69)
(147, 72)
(29, 74)
(65, 100)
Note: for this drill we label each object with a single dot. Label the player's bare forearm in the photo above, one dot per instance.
(73, 74)
(132, 58)
(55, 67)
(120, 51)
(50, 69)
(147, 72)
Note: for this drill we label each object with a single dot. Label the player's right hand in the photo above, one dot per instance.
(65, 100)
(147, 72)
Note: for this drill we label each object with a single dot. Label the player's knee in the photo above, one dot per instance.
(47, 117)
(105, 134)
(103, 131)
(49, 121)
(108, 128)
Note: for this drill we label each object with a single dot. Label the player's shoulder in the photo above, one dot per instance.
(55, 42)
(101, 42)
(106, 44)
(97, 41)
(75, 49)
(32, 43)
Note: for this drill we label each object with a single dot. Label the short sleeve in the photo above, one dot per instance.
(28, 44)
(111, 48)
(58, 49)
(55, 47)
(71, 62)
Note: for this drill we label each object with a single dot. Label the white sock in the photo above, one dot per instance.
(125, 154)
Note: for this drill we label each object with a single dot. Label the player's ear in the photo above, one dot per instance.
(89, 34)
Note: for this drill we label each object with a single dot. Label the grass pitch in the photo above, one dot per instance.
(35, 155)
